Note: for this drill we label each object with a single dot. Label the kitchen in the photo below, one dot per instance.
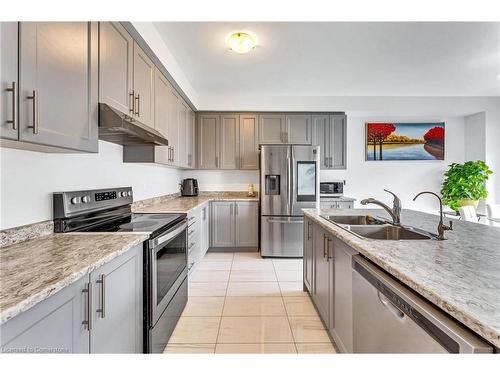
(192, 196)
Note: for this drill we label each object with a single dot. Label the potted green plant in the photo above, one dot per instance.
(464, 184)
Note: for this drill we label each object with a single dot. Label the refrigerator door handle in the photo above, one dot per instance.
(291, 164)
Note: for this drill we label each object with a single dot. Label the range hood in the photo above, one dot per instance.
(118, 127)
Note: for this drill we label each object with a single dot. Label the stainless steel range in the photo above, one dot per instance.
(165, 253)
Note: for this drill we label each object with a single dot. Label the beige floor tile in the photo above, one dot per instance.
(189, 349)
(204, 306)
(254, 330)
(249, 256)
(214, 266)
(209, 276)
(254, 288)
(289, 275)
(217, 257)
(267, 348)
(253, 265)
(288, 264)
(210, 289)
(315, 348)
(252, 275)
(308, 329)
(254, 306)
(195, 330)
(292, 289)
(296, 306)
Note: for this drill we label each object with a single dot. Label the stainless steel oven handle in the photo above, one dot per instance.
(173, 232)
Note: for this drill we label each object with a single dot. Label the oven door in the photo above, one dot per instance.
(168, 268)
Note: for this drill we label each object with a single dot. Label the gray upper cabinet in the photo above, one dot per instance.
(229, 141)
(116, 58)
(329, 132)
(54, 323)
(298, 129)
(308, 258)
(143, 78)
(222, 224)
(208, 141)
(173, 125)
(58, 90)
(117, 305)
(249, 142)
(161, 119)
(272, 128)
(246, 223)
(182, 157)
(9, 127)
(191, 139)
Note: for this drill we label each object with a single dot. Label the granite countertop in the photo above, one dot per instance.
(186, 204)
(31, 271)
(461, 275)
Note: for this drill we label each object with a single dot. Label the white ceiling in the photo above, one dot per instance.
(340, 58)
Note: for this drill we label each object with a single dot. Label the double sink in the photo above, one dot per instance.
(366, 226)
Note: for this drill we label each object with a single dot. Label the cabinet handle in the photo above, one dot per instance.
(235, 209)
(13, 90)
(131, 99)
(217, 162)
(191, 232)
(286, 138)
(35, 112)
(102, 310)
(309, 225)
(173, 154)
(87, 319)
(138, 98)
(328, 240)
(324, 245)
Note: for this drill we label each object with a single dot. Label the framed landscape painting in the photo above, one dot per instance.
(405, 141)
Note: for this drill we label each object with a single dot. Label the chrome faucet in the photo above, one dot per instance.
(395, 212)
(441, 226)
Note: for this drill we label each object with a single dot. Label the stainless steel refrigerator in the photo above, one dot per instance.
(289, 182)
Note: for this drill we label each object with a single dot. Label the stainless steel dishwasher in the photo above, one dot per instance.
(388, 317)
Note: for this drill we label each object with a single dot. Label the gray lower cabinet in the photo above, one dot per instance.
(205, 229)
(193, 243)
(249, 141)
(117, 307)
(56, 86)
(308, 259)
(234, 224)
(328, 203)
(116, 58)
(52, 326)
(322, 273)
(329, 132)
(72, 322)
(9, 121)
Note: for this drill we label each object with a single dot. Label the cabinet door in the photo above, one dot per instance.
(208, 141)
(308, 255)
(338, 139)
(144, 73)
(222, 224)
(249, 142)
(191, 137)
(116, 51)
(173, 124)
(342, 316)
(182, 151)
(298, 129)
(246, 223)
(272, 129)
(59, 84)
(205, 229)
(8, 80)
(55, 323)
(229, 149)
(321, 137)
(117, 305)
(345, 204)
(321, 289)
(161, 120)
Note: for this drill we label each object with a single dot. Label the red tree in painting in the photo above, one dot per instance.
(435, 136)
(377, 133)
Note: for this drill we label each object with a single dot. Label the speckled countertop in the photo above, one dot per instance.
(186, 204)
(461, 275)
(31, 271)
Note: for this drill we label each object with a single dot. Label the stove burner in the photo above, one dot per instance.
(139, 224)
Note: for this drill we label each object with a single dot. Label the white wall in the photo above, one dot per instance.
(475, 137)
(29, 178)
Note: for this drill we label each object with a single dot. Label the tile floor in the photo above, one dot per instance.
(241, 303)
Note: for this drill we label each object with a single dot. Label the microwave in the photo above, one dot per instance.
(331, 188)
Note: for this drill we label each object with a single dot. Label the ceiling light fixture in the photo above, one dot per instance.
(241, 42)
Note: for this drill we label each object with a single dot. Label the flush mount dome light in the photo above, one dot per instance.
(241, 42)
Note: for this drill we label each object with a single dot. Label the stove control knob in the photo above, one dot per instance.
(123, 194)
(86, 199)
(129, 193)
(75, 200)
